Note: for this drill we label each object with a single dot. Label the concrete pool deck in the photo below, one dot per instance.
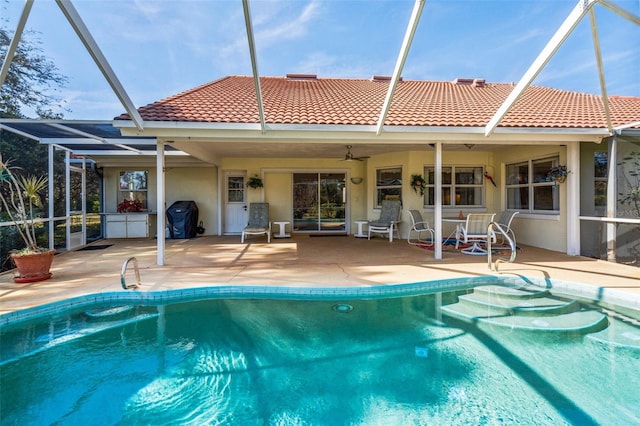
(300, 261)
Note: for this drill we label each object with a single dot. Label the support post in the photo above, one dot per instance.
(437, 208)
(573, 199)
(611, 198)
(160, 204)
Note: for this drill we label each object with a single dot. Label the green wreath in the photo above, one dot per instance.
(418, 184)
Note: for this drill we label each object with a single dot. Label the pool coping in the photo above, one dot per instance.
(587, 293)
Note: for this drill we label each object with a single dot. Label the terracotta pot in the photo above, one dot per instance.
(33, 266)
(561, 179)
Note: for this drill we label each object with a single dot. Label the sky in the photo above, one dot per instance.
(159, 48)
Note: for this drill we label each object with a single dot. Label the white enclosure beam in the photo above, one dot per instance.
(620, 11)
(90, 136)
(13, 45)
(19, 132)
(402, 57)
(573, 199)
(50, 191)
(601, 76)
(90, 44)
(612, 199)
(76, 132)
(437, 211)
(627, 126)
(254, 63)
(160, 203)
(549, 50)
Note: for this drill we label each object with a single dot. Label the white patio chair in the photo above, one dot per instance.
(476, 230)
(259, 222)
(418, 225)
(504, 220)
(389, 218)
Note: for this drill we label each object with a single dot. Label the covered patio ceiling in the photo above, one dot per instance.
(102, 139)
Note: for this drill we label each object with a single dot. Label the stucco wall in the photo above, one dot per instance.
(414, 162)
(201, 185)
(547, 231)
(277, 191)
(182, 183)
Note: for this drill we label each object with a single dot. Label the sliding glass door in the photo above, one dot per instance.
(319, 202)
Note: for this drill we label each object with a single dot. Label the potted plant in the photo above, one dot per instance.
(418, 184)
(255, 182)
(557, 173)
(19, 195)
(130, 206)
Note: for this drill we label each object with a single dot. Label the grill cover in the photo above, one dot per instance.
(183, 219)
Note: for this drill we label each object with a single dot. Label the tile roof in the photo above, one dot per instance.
(305, 99)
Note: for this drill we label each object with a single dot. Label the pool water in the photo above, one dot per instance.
(294, 362)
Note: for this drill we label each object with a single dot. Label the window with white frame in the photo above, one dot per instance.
(462, 186)
(529, 189)
(388, 184)
(133, 189)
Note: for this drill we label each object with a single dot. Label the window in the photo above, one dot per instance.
(388, 184)
(462, 186)
(600, 163)
(133, 187)
(529, 189)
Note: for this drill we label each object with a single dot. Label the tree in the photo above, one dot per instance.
(28, 84)
(29, 79)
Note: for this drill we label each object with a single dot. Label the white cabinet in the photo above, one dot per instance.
(128, 225)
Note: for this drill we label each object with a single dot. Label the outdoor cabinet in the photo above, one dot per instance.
(128, 225)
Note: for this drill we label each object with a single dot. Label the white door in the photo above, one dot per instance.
(236, 216)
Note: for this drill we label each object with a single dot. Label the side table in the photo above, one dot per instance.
(281, 230)
(360, 233)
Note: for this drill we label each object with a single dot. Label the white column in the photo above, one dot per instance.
(437, 208)
(573, 199)
(612, 198)
(50, 172)
(67, 197)
(160, 197)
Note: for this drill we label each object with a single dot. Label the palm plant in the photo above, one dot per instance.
(19, 195)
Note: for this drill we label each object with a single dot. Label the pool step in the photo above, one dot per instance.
(580, 321)
(525, 309)
(522, 292)
(108, 313)
(41, 338)
(619, 334)
(526, 306)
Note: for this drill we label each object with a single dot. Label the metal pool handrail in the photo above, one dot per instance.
(124, 270)
(493, 227)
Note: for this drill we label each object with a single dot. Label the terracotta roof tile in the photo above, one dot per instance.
(311, 100)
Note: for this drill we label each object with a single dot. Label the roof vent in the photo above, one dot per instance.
(302, 76)
(383, 78)
(463, 81)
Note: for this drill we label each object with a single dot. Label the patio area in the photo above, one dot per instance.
(300, 261)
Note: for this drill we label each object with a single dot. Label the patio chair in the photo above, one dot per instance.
(389, 219)
(418, 225)
(258, 221)
(476, 230)
(504, 220)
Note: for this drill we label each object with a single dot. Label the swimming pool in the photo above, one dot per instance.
(385, 355)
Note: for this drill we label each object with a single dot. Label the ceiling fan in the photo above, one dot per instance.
(349, 156)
